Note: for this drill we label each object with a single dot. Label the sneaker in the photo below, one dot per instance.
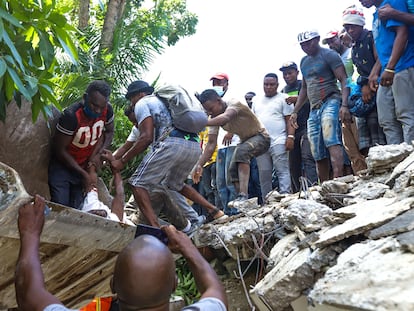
(199, 220)
(241, 197)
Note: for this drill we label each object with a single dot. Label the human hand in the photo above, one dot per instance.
(387, 78)
(107, 155)
(373, 83)
(196, 173)
(178, 242)
(345, 115)
(290, 143)
(293, 120)
(292, 99)
(386, 12)
(227, 139)
(32, 217)
(366, 93)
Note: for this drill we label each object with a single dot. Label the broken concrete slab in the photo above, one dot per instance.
(406, 241)
(308, 215)
(385, 158)
(284, 283)
(400, 224)
(368, 215)
(376, 275)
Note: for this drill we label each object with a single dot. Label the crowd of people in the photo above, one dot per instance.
(355, 93)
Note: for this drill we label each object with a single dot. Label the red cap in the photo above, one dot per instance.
(220, 76)
(329, 35)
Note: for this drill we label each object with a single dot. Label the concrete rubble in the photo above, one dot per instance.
(345, 245)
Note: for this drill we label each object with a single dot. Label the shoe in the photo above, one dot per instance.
(199, 220)
(193, 229)
(241, 197)
(216, 214)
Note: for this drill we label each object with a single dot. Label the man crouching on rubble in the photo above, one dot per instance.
(144, 275)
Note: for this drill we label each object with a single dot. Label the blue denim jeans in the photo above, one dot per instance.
(324, 128)
(225, 188)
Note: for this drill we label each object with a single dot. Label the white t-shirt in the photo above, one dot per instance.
(133, 136)
(271, 111)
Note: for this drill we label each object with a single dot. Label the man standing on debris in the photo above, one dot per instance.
(237, 118)
(394, 43)
(83, 131)
(169, 162)
(321, 68)
(301, 162)
(144, 274)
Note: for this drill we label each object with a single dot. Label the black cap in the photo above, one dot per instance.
(288, 65)
(138, 87)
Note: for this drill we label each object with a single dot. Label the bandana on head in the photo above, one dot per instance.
(354, 16)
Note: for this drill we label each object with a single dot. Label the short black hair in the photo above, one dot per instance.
(128, 110)
(208, 94)
(271, 75)
(250, 93)
(99, 86)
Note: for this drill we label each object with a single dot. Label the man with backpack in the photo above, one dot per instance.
(167, 165)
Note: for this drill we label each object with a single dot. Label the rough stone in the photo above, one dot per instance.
(407, 241)
(368, 215)
(284, 283)
(375, 275)
(400, 224)
(385, 158)
(308, 215)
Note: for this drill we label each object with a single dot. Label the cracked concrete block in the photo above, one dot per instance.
(284, 283)
(407, 241)
(376, 275)
(368, 215)
(400, 224)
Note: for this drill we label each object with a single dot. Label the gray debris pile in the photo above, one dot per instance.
(345, 245)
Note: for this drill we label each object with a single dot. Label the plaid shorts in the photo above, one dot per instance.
(167, 165)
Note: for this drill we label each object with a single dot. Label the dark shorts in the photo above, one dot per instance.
(246, 150)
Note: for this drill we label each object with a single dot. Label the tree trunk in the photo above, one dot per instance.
(83, 13)
(113, 14)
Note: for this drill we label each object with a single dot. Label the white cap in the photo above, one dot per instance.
(307, 35)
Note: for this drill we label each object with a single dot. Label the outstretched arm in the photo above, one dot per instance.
(206, 279)
(31, 293)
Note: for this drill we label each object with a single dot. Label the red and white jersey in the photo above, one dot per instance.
(84, 130)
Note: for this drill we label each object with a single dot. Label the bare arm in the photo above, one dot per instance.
(205, 156)
(206, 278)
(223, 118)
(386, 12)
(31, 294)
(398, 48)
(303, 96)
(123, 149)
(118, 201)
(290, 140)
(340, 74)
(60, 144)
(146, 135)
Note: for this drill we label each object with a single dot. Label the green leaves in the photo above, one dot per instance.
(31, 32)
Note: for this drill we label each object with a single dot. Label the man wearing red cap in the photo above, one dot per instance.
(226, 143)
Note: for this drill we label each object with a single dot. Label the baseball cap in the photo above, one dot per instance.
(220, 76)
(331, 34)
(137, 87)
(288, 65)
(307, 35)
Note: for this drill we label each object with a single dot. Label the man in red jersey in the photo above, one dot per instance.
(83, 131)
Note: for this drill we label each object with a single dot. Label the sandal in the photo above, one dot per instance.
(216, 214)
